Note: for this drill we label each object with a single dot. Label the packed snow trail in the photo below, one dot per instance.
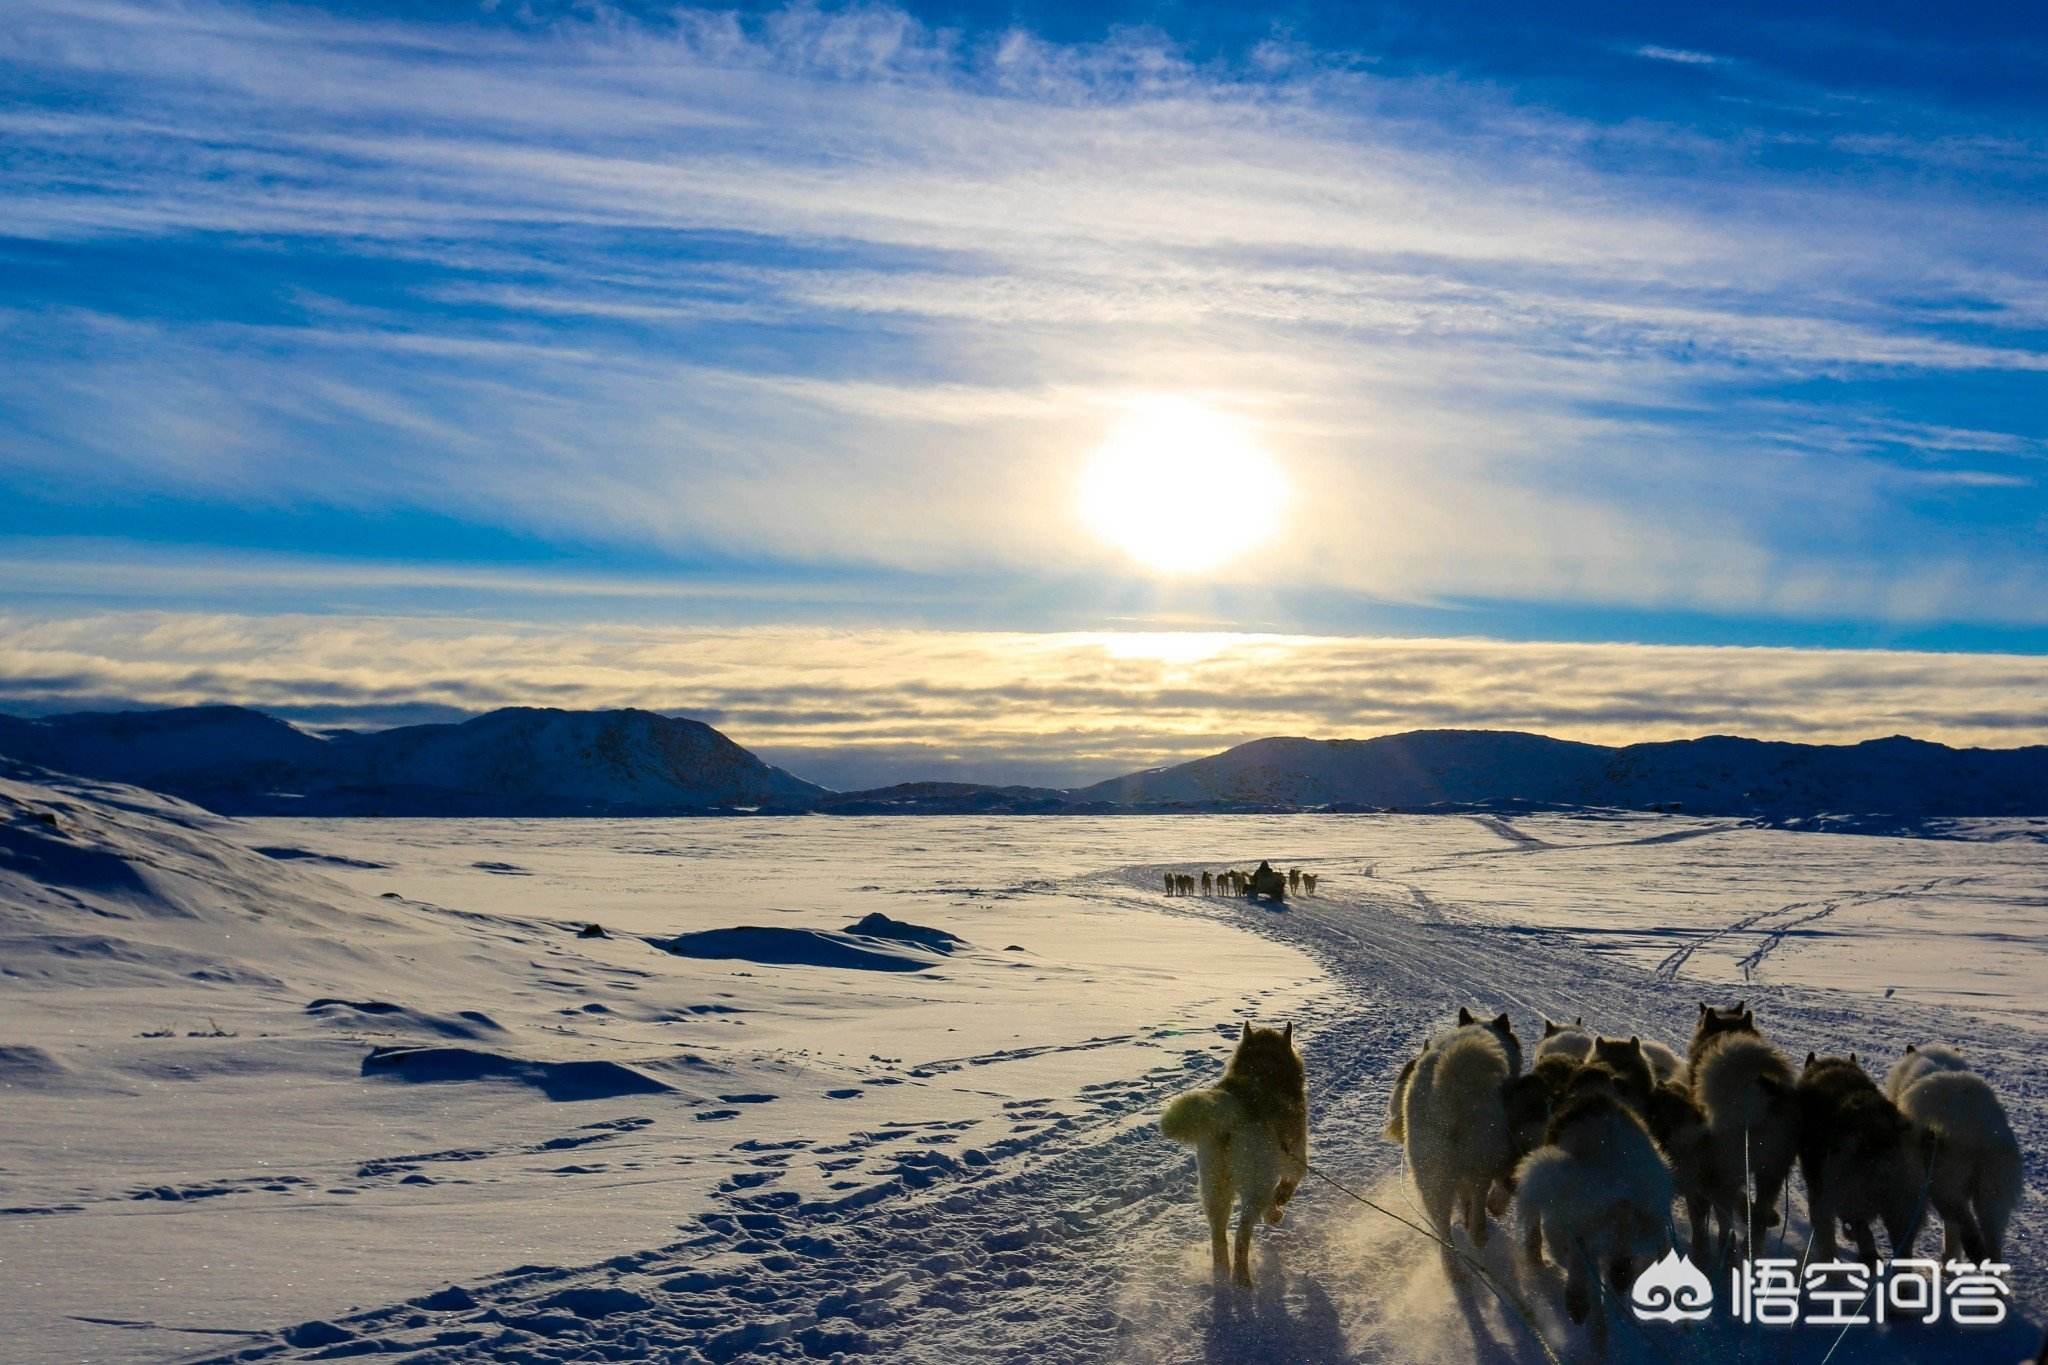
(1081, 1241)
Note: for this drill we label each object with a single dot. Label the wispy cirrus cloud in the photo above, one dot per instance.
(827, 289)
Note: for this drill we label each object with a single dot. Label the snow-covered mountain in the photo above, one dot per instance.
(518, 761)
(1719, 775)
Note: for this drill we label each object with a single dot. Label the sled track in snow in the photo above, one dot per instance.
(1803, 912)
(1073, 1243)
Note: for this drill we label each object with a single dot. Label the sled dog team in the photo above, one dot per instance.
(1231, 882)
(1592, 1143)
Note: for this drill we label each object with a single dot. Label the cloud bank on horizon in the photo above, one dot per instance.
(857, 708)
(1678, 326)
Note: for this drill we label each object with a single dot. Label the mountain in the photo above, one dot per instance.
(518, 761)
(1420, 768)
(1716, 775)
(529, 761)
(1723, 774)
(190, 746)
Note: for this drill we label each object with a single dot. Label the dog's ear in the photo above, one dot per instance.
(1245, 1032)
(1637, 1043)
(1579, 1022)
(1703, 1008)
(1287, 1034)
(1742, 1007)
(1550, 1028)
(1811, 1057)
(1912, 1051)
(1853, 1061)
(1464, 1016)
(1503, 1023)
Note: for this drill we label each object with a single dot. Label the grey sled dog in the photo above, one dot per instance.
(1250, 1135)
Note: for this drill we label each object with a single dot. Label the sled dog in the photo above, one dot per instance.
(1665, 1064)
(1976, 1180)
(1861, 1159)
(1250, 1135)
(1454, 1121)
(1745, 1089)
(1682, 1135)
(1918, 1062)
(1624, 1063)
(1571, 1040)
(1500, 1026)
(1598, 1194)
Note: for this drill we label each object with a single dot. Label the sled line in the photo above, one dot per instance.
(1485, 1276)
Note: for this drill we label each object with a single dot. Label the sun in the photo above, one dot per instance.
(1182, 488)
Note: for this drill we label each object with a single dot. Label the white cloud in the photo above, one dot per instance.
(1680, 55)
(832, 288)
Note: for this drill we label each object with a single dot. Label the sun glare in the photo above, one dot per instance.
(1182, 488)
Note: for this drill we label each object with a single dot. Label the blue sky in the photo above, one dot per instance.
(1614, 325)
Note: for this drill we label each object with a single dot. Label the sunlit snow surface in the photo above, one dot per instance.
(725, 1159)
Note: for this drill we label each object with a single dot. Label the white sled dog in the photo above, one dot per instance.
(1744, 1087)
(1250, 1135)
(1500, 1026)
(1455, 1122)
(1919, 1062)
(1976, 1181)
(1665, 1064)
(1573, 1040)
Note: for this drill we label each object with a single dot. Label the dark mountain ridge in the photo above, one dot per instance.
(517, 761)
(1715, 775)
(532, 761)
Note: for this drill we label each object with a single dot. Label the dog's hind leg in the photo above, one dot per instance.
(1763, 1214)
(1473, 1198)
(1952, 1218)
(1696, 1214)
(1247, 1219)
(1820, 1212)
(1214, 1164)
(1991, 1209)
(1578, 1284)
(1902, 1229)
(1963, 1235)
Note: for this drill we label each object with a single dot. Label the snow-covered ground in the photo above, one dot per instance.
(603, 1150)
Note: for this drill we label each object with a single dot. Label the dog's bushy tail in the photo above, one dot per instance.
(1199, 1114)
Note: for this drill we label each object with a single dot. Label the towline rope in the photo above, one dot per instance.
(1485, 1275)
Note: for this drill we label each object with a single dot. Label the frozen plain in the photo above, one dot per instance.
(619, 1153)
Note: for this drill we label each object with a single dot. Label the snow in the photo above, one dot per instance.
(295, 1087)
